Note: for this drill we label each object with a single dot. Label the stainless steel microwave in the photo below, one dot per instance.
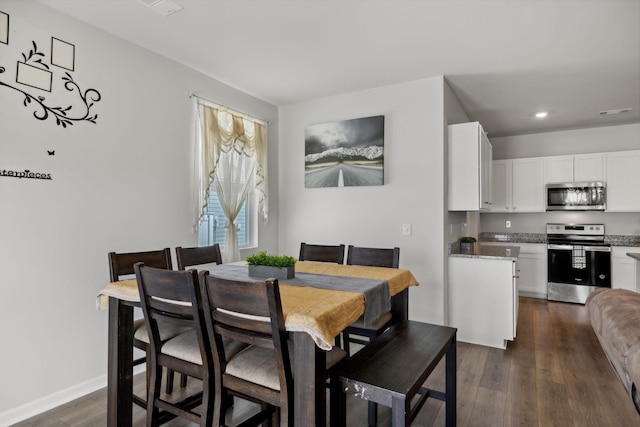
(576, 196)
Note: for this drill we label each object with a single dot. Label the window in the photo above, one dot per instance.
(231, 178)
(212, 229)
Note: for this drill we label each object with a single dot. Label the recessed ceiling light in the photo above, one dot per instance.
(541, 114)
(618, 111)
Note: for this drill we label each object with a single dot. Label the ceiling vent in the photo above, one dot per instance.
(163, 7)
(618, 111)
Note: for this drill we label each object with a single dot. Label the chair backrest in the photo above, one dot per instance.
(323, 253)
(188, 257)
(248, 312)
(373, 257)
(121, 264)
(170, 296)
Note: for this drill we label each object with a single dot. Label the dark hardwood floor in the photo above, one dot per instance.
(554, 374)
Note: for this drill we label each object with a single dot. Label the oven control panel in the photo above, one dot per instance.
(579, 229)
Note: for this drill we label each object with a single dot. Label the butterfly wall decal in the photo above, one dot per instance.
(52, 152)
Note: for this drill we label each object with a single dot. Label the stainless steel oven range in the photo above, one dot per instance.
(578, 261)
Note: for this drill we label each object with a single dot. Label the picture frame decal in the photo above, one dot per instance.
(63, 54)
(4, 28)
(345, 153)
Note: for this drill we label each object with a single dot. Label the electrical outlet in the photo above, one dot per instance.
(507, 224)
(406, 229)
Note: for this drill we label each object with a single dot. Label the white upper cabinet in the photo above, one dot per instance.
(622, 177)
(588, 167)
(518, 185)
(578, 168)
(470, 155)
(528, 185)
(501, 187)
(558, 169)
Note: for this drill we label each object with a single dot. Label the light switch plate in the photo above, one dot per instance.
(406, 229)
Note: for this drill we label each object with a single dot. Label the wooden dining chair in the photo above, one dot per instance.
(373, 257)
(121, 267)
(195, 256)
(251, 312)
(172, 298)
(322, 253)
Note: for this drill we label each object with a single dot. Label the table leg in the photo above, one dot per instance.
(450, 394)
(400, 305)
(309, 375)
(120, 364)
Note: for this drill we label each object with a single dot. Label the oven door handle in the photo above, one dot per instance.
(586, 248)
(598, 248)
(560, 247)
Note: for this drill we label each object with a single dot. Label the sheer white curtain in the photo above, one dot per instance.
(231, 156)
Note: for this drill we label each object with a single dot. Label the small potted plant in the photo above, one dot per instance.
(466, 244)
(265, 265)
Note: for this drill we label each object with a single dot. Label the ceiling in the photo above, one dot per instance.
(505, 59)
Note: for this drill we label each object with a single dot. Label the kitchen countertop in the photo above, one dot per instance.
(634, 256)
(487, 251)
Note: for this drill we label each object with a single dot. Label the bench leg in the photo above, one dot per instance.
(399, 412)
(450, 400)
(373, 414)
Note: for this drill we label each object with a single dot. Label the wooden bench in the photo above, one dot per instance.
(392, 369)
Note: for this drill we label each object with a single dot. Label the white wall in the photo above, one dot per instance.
(373, 216)
(581, 141)
(122, 184)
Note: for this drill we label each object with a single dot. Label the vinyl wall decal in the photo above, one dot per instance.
(33, 71)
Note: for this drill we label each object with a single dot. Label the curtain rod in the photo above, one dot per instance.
(229, 110)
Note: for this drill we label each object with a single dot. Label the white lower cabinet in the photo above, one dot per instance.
(532, 269)
(483, 300)
(623, 268)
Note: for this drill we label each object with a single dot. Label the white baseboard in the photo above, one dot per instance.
(58, 398)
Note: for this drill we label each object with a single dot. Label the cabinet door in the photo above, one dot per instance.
(528, 185)
(588, 167)
(532, 277)
(501, 186)
(623, 268)
(623, 176)
(558, 169)
(486, 154)
(464, 167)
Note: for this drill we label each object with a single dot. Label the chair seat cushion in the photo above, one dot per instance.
(167, 331)
(258, 365)
(185, 346)
(383, 320)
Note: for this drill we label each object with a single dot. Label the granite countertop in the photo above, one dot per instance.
(486, 251)
(634, 255)
(612, 239)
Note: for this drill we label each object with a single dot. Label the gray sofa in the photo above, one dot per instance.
(615, 318)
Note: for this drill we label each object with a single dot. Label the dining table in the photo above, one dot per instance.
(318, 304)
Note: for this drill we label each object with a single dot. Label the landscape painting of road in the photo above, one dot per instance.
(344, 153)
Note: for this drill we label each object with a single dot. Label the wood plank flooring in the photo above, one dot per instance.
(554, 374)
